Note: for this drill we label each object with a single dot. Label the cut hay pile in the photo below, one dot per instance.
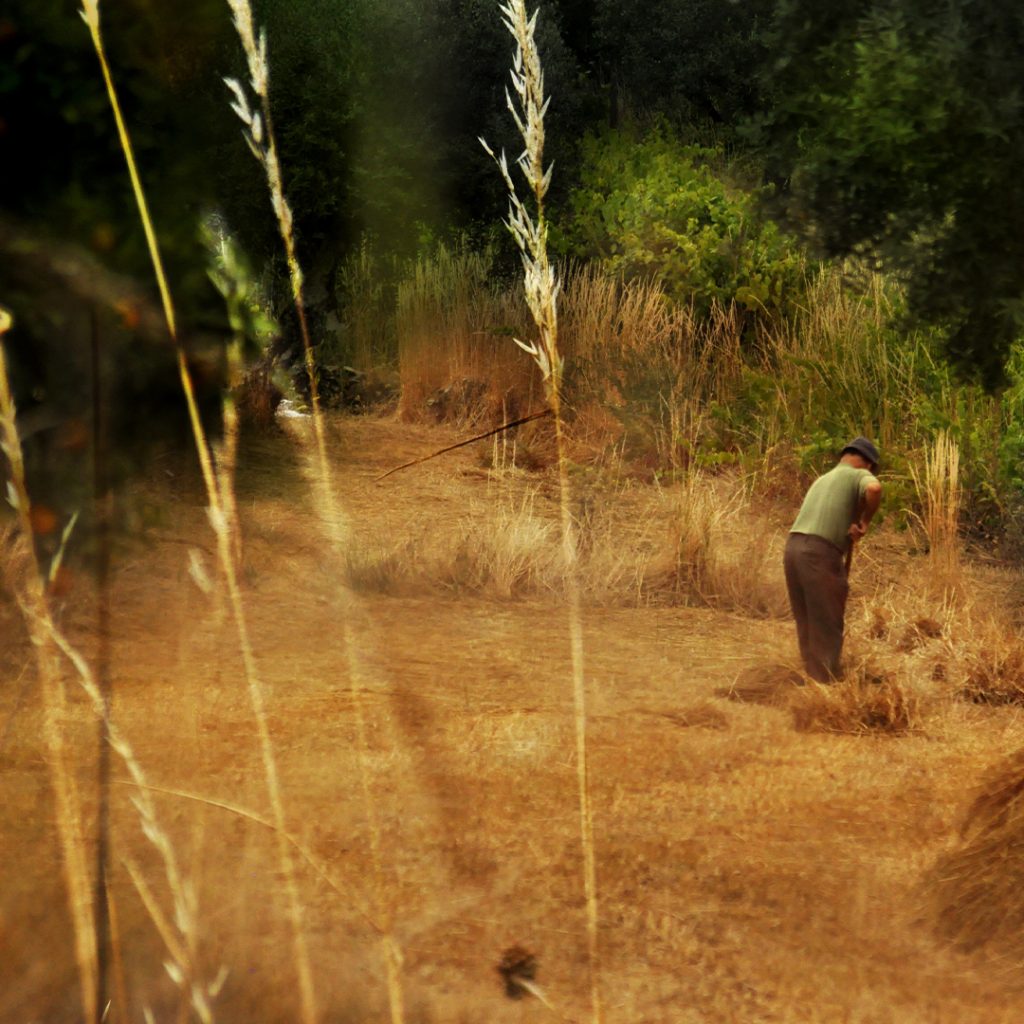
(995, 675)
(869, 700)
(769, 685)
(978, 889)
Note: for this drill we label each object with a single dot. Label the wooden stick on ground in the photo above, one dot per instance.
(462, 444)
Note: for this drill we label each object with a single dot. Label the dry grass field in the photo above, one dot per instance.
(766, 852)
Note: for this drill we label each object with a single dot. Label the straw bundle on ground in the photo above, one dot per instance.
(866, 702)
(978, 889)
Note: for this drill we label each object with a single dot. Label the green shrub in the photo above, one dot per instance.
(659, 208)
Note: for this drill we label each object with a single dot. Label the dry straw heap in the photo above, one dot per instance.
(978, 888)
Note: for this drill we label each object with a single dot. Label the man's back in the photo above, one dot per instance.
(831, 504)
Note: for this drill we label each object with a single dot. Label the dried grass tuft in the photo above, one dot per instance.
(978, 889)
(719, 555)
(918, 633)
(878, 628)
(768, 685)
(995, 675)
(870, 701)
(518, 555)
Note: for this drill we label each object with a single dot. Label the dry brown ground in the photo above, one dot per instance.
(748, 872)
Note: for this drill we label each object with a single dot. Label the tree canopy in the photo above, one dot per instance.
(895, 130)
(891, 130)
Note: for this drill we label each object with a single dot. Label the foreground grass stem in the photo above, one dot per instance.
(220, 524)
(31, 595)
(259, 135)
(542, 287)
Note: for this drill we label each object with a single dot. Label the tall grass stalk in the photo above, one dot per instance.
(229, 279)
(48, 640)
(32, 600)
(369, 334)
(259, 135)
(185, 938)
(542, 287)
(221, 527)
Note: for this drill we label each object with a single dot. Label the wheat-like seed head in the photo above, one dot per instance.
(90, 13)
(530, 231)
(255, 48)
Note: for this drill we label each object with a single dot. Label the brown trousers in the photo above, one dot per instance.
(816, 581)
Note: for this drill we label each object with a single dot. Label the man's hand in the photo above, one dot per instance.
(868, 507)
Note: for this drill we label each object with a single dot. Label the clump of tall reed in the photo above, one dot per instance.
(452, 329)
(639, 367)
(654, 365)
(939, 494)
(836, 366)
(364, 289)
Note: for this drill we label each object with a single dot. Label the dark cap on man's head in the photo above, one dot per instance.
(862, 446)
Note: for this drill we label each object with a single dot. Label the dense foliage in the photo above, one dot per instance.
(898, 128)
(889, 132)
(893, 129)
(659, 208)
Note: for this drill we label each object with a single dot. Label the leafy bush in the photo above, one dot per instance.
(659, 208)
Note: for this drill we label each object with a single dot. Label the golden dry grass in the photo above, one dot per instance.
(770, 685)
(750, 871)
(456, 360)
(864, 704)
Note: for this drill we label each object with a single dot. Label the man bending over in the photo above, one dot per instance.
(834, 515)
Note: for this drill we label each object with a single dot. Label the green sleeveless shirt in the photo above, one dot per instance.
(831, 504)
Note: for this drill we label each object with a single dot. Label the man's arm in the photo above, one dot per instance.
(868, 507)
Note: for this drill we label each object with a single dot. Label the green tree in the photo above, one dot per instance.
(693, 61)
(896, 133)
